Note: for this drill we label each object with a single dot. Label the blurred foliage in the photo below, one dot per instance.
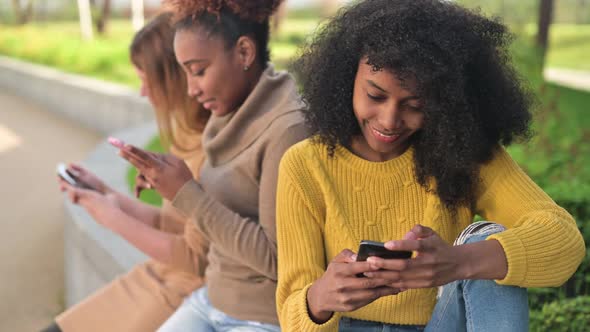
(571, 315)
(526, 11)
(58, 44)
(106, 57)
(569, 45)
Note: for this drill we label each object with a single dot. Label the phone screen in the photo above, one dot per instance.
(371, 248)
(66, 175)
(63, 173)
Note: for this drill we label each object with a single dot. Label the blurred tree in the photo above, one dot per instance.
(545, 17)
(85, 19)
(279, 16)
(137, 17)
(103, 15)
(22, 14)
(581, 11)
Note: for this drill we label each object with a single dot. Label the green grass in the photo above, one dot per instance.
(58, 44)
(558, 155)
(106, 57)
(569, 45)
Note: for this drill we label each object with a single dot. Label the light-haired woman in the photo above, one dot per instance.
(145, 297)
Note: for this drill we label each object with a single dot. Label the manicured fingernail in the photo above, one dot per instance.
(116, 142)
(390, 245)
(369, 274)
(353, 257)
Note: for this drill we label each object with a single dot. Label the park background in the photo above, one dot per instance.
(551, 51)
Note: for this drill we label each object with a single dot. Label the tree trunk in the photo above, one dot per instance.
(279, 17)
(545, 18)
(137, 19)
(581, 17)
(22, 15)
(85, 19)
(103, 19)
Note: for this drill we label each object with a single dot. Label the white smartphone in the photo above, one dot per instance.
(66, 175)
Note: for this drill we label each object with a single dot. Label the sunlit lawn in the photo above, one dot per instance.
(58, 44)
(569, 45)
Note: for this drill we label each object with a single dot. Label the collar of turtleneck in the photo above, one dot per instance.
(274, 95)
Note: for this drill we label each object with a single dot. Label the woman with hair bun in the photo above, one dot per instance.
(255, 117)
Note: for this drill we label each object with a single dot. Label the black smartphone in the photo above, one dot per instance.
(66, 175)
(372, 248)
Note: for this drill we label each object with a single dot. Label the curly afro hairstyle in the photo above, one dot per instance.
(230, 19)
(473, 98)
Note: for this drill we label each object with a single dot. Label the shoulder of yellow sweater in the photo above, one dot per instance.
(503, 172)
(300, 166)
(303, 160)
(500, 163)
(304, 152)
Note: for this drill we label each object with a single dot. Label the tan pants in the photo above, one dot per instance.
(139, 301)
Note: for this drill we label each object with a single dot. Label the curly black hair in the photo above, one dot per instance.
(458, 59)
(230, 19)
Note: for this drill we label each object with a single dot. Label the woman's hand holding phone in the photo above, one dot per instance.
(436, 262)
(340, 290)
(88, 178)
(104, 208)
(163, 172)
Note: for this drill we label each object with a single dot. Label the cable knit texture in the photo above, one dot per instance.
(325, 205)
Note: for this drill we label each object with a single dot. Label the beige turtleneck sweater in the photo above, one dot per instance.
(233, 203)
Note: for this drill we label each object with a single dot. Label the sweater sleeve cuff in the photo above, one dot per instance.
(189, 198)
(305, 322)
(515, 256)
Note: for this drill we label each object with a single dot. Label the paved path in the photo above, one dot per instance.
(576, 79)
(32, 142)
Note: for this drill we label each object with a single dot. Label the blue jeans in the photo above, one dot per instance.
(466, 305)
(197, 314)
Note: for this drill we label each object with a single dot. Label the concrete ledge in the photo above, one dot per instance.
(101, 106)
(94, 255)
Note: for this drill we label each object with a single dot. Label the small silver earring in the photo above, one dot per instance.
(246, 68)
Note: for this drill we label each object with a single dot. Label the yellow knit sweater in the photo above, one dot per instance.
(325, 205)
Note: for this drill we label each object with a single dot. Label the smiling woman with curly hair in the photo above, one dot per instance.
(411, 102)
